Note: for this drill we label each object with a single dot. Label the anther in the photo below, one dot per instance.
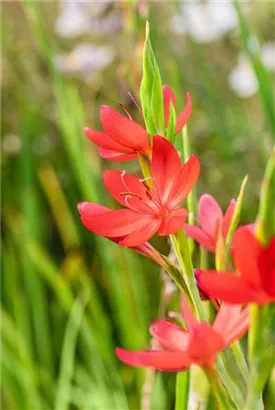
(126, 111)
(131, 194)
(143, 181)
(136, 104)
(123, 173)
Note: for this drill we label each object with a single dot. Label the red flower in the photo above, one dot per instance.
(211, 220)
(150, 209)
(183, 117)
(199, 344)
(145, 249)
(122, 138)
(255, 279)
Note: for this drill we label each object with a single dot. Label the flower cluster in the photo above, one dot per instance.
(152, 203)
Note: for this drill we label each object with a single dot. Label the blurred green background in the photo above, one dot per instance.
(69, 297)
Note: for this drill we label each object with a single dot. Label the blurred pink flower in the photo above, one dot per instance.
(198, 344)
(211, 220)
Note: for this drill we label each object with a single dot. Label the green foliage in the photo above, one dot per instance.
(170, 131)
(236, 216)
(265, 223)
(151, 90)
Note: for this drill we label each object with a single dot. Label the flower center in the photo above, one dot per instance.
(151, 195)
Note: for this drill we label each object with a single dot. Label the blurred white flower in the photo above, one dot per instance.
(79, 17)
(268, 55)
(72, 21)
(205, 22)
(242, 78)
(85, 59)
(11, 144)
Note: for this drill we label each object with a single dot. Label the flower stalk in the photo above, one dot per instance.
(182, 251)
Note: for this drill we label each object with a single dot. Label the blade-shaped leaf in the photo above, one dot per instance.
(151, 90)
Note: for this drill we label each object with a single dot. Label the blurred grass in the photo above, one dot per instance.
(69, 297)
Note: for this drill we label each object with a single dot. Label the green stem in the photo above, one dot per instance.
(182, 390)
(176, 275)
(254, 397)
(203, 258)
(231, 387)
(218, 390)
(240, 359)
(182, 252)
(191, 199)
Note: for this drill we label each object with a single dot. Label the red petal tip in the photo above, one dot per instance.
(81, 207)
(103, 108)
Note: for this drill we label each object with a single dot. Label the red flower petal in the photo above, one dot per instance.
(120, 222)
(115, 155)
(163, 360)
(123, 130)
(226, 317)
(205, 342)
(169, 335)
(238, 331)
(148, 226)
(173, 222)
(200, 236)
(184, 116)
(166, 165)
(267, 268)
(227, 217)
(210, 215)
(104, 140)
(168, 96)
(246, 255)
(232, 322)
(185, 181)
(118, 182)
(90, 208)
(225, 286)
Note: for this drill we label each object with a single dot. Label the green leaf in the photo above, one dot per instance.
(265, 222)
(235, 217)
(182, 390)
(170, 132)
(151, 90)
(63, 392)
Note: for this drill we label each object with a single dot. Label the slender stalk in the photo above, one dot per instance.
(203, 258)
(182, 389)
(218, 390)
(240, 359)
(191, 199)
(231, 387)
(182, 252)
(177, 277)
(254, 398)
